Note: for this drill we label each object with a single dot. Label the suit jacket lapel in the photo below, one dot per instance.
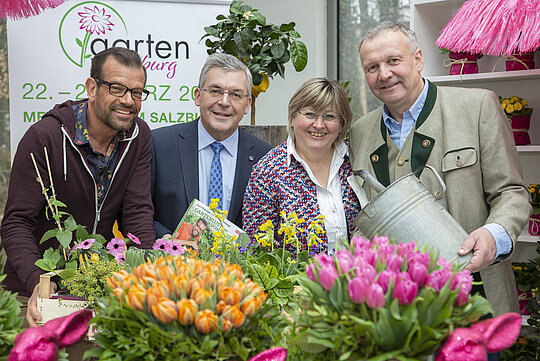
(188, 153)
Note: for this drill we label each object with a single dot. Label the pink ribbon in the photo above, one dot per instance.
(475, 342)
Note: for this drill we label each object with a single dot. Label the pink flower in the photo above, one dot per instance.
(168, 246)
(357, 290)
(437, 279)
(344, 259)
(422, 258)
(444, 263)
(462, 280)
(418, 273)
(95, 20)
(324, 259)
(368, 273)
(360, 242)
(384, 279)
(134, 239)
(310, 270)
(120, 258)
(328, 275)
(176, 249)
(405, 291)
(394, 262)
(406, 249)
(159, 244)
(375, 296)
(116, 245)
(86, 244)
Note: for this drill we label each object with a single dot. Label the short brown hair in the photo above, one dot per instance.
(318, 93)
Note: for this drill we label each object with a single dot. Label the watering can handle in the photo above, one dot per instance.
(443, 186)
(370, 180)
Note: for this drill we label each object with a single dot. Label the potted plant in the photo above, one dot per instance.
(534, 221)
(264, 48)
(519, 115)
(461, 62)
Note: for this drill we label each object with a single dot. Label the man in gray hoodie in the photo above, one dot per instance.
(99, 153)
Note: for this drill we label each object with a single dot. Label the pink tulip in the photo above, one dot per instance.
(344, 259)
(444, 263)
(368, 273)
(462, 280)
(384, 279)
(437, 279)
(418, 273)
(360, 242)
(357, 290)
(310, 270)
(406, 250)
(422, 258)
(394, 262)
(324, 259)
(375, 296)
(405, 291)
(328, 275)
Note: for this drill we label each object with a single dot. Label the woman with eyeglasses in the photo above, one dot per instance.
(308, 173)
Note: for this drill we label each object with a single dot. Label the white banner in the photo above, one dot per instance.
(49, 55)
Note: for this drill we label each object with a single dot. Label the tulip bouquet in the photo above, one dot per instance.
(180, 308)
(376, 300)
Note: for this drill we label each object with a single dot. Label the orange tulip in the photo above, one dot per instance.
(165, 310)
(250, 306)
(160, 289)
(186, 311)
(230, 296)
(136, 297)
(223, 280)
(183, 269)
(220, 306)
(262, 298)
(208, 278)
(226, 325)
(164, 273)
(116, 279)
(206, 321)
(195, 283)
(146, 273)
(233, 314)
(200, 295)
(240, 287)
(129, 281)
(234, 271)
(119, 293)
(180, 286)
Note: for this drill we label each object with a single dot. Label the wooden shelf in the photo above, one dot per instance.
(525, 237)
(486, 77)
(452, 3)
(524, 319)
(528, 148)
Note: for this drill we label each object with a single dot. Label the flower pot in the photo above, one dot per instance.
(463, 63)
(534, 225)
(523, 61)
(520, 128)
(523, 298)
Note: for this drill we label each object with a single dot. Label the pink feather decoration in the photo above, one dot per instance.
(17, 9)
(493, 27)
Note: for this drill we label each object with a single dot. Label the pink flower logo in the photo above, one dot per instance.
(95, 21)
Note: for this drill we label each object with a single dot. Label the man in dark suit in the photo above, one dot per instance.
(209, 157)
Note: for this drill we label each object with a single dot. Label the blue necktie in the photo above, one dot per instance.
(215, 190)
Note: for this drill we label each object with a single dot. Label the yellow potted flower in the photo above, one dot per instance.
(519, 115)
(534, 221)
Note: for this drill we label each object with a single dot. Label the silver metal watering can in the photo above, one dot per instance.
(406, 211)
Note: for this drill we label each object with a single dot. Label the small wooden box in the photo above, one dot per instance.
(51, 308)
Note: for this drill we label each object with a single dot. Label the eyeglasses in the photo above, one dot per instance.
(119, 90)
(327, 118)
(218, 93)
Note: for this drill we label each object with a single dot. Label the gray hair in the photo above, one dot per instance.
(228, 63)
(390, 26)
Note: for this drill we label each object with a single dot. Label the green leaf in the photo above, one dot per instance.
(272, 272)
(67, 273)
(259, 18)
(284, 288)
(287, 27)
(53, 255)
(64, 237)
(70, 224)
(310, 343)
(299, 55)
(49, 234)
(243, 43)
(46, 265)
(278, 49)
(79, 42)
(81, 233)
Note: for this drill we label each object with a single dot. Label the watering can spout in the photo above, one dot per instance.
(369, 179)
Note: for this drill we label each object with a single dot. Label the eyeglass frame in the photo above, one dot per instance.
(336, 118)
(109, 84)
(221, 93)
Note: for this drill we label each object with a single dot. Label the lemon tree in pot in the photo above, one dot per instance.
(264, 48)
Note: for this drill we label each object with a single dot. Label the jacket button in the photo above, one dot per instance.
(438, 195)
(426, 143)
(400, 161)
(374, 158)
(459, 162)
(251, 157)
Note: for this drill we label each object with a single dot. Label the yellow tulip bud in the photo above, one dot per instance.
(186, 311)
(136, 297)
(206, 321)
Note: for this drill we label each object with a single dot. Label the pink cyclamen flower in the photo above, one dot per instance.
(95, 21)
(327, 276)
(405, 291)
(116, 245)
(357, 290)
(462, 280)
(344, 258)
(134, 238)
(120, 258)
(437, 279)
(159, 244)
(176, 249)
(418, 273)
(375, 296)
(86, 244)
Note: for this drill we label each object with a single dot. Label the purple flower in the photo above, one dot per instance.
(437, 279)
(405, 291)
(176, 249)
(384, 279)
(86, 244)
(357, 290)
(344, 258)
(328, 275)
(120, 258)
(418, 273)
(462, 280)
(134, 239)
(375, 296)
(159, 244)
(116, 245)
(394, 262)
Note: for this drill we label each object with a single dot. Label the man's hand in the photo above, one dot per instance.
(191, 244)
(32, 313)
(483, 244)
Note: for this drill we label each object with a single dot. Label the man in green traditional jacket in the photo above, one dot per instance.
(463, 134)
